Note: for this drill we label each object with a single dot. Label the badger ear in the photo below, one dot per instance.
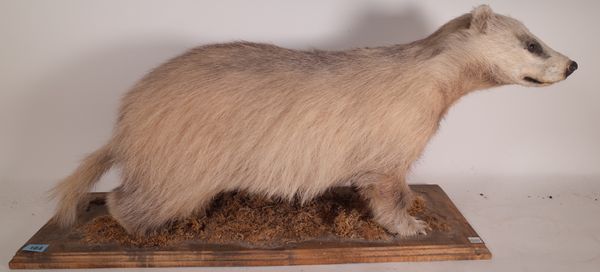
(480, 18)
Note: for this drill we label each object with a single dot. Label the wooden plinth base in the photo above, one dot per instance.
(67, 250)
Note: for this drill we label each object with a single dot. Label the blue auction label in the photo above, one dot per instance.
(35, 247)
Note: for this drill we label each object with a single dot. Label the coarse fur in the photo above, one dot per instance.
(288, 123)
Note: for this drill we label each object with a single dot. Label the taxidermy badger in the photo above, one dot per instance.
(288, 123)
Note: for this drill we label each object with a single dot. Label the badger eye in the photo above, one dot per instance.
(533, 47)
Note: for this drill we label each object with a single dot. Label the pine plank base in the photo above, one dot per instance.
(66, 250)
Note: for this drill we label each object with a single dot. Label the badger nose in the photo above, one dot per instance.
(572, 67)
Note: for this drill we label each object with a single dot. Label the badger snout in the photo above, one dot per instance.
(571, 68)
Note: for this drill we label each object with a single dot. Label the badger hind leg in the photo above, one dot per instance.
(142, 213)
(389, 199)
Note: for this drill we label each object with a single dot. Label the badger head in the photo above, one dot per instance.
(518, 57)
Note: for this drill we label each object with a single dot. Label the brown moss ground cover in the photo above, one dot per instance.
(238, 218)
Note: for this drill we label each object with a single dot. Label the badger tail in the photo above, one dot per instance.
(71, 191)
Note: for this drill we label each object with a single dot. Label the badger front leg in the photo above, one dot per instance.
(389, 199)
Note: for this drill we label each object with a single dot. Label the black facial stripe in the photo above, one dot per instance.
(533, 46)
(536, 48)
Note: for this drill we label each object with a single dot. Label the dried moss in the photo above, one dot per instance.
(237, 218)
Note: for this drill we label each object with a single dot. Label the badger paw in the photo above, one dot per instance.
(412, 227)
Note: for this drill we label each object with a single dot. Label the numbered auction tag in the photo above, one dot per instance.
(35, 247)
(475, 240)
